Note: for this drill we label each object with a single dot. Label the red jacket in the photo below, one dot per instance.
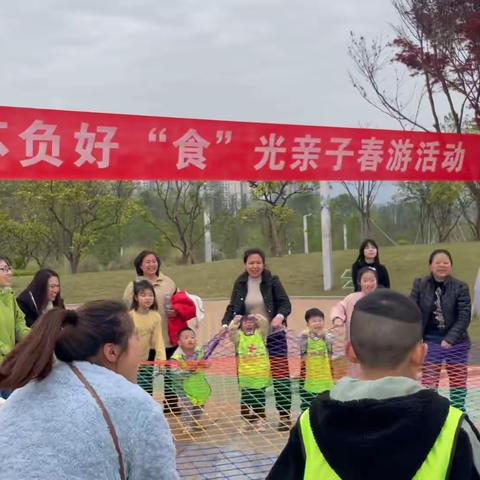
(185, 310)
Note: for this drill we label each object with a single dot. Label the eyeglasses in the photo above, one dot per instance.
(6, 269)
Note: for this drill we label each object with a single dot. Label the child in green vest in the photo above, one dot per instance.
(315, 350)
(248, 333)
(385, 425)
(188, 366)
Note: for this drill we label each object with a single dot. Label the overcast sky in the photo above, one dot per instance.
(259, 60)
(252, 60)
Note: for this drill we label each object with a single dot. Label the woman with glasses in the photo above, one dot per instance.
(12, 321)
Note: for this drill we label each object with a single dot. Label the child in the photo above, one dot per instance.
(315, 349)
(148, 324)
(248, 334)
(188, 365)
(385, 426)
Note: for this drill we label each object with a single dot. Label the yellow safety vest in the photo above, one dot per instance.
(318, 375)
(435, 465)
(253, 362)
(195, 385)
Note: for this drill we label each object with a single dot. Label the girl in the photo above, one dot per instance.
(341, 315)
(41, 295)
(148, 324)
(368, 257)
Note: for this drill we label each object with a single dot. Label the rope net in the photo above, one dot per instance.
(224, 430)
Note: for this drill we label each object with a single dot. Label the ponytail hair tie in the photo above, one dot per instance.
(71, 317)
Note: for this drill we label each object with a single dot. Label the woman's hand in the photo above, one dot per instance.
(237, 319)
(277, 321)
(445, 344)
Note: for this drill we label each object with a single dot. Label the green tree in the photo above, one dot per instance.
(273, 198)
(434, 63)
(175, 210)
(77, 214)
(438, 204)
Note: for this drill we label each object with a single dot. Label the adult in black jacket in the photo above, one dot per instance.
(446, 310)
(42, 294)
(386, 425)
(258, 291)
(368, 256)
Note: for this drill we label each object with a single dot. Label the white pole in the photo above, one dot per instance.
(326, 237)
(305, 233)
(207, 235)
(345, 238)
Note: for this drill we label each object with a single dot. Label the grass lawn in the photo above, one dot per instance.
(300, 274)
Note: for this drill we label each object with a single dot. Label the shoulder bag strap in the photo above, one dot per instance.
(106, 416)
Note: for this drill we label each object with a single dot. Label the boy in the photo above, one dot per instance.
(385, 426)
(315, 347)
(248, 334)
(188, 365)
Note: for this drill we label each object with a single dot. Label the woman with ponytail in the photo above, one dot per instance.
(75, 407)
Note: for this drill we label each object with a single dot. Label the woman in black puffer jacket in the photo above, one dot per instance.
(446, 310)
(258, 291)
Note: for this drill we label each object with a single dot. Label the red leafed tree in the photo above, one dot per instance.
(434, 61)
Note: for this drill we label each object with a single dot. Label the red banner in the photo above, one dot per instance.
(53, 144)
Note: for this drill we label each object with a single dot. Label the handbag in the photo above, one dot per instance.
(106, 417)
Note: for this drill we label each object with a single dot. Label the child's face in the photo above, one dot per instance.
(187, 340)
(145, 299)
(316, 324)
(248, 325)
(368, 282)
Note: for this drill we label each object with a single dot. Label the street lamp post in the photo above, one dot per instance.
(305, 233)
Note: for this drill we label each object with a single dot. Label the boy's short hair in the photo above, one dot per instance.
(186, 329)
(313, 312)
(385, 326)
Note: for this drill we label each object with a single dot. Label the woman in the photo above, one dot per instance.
(75, 376)
(12, 321)
(257, 291)
(341, 314)
(446, 310)
(41, 295)
(147, 265)
(368, 256)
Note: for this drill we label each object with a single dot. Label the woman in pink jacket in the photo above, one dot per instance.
(341, 314)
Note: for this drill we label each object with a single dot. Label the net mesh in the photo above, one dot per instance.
(221, 440)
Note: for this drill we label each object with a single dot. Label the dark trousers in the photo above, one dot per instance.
(170, 404)
(305, 397)
(456, 364)
(252, 403)
(282, 385)
(145, 378)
